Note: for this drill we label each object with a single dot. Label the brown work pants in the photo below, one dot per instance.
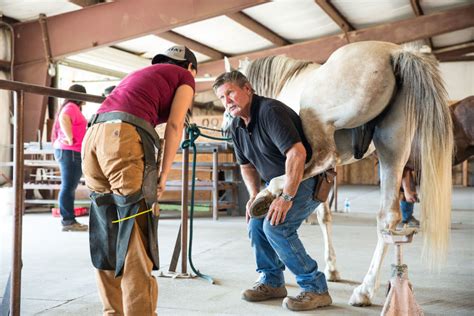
(113, 162)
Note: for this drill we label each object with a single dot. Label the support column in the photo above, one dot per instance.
(34, 104)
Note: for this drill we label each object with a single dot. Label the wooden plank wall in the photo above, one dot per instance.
(211, 121)
(365, 172)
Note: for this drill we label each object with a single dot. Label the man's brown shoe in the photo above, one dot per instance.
(306, 301)
(262, 292)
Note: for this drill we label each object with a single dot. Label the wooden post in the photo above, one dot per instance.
(184, 207)
(18, 179)
(215, 184)
(465, 173)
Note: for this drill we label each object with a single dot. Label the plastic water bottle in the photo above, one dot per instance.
(347, 206)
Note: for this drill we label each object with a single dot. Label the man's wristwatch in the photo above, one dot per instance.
(287, 197)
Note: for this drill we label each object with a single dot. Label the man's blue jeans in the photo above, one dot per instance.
(70, 167)
(278, 246)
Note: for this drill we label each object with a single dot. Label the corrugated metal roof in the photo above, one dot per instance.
(295, 21)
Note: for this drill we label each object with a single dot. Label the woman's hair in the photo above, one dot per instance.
(75, 88)
(181, 63)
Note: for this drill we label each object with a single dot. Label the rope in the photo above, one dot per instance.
(194, 132)
(131, 216)
(209, 129)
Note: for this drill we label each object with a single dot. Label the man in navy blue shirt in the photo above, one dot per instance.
(269, 142)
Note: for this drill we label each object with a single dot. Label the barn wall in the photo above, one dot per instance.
(5, 102)
(459, 79)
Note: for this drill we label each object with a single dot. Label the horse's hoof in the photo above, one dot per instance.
(259, 207)
(332, 276)
(359, 300)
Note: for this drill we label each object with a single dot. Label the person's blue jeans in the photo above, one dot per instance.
(407, 210)
(278, 246)
(70, 167)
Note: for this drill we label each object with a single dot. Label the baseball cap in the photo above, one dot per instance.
(178, 52)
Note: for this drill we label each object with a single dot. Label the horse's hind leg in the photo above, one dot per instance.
(325, 222)
(392, 140)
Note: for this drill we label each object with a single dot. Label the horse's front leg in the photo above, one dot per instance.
(264, 198)
(325, 222)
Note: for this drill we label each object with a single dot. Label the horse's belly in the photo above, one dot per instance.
(345, 155)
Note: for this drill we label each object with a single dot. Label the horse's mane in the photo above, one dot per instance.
(268, 75)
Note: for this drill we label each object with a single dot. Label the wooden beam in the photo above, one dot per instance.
(257, 28)
(318, 50)
(5, 65)
(47, 91)
(415, 5)
(191, 44)
(8, 19)
(456, 59)
(455, 51)
(86, 3)
(335, 15)
(448, 47)
(92, 68)
(109, 23)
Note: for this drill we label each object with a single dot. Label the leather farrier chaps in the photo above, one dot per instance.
(109, 241)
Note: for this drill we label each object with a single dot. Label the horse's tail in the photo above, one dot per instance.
(428, 114)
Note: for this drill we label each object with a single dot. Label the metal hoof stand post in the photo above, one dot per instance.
(400, 299)
(191, 133)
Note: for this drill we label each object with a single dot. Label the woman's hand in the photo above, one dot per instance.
(161, 186)
(68, 141)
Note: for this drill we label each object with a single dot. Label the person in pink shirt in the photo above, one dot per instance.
(69, 129)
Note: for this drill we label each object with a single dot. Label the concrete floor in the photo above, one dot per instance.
(58, 278)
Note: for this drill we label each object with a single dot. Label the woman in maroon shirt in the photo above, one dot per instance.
(120, 170)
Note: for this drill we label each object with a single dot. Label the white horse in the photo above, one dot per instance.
(400, 93)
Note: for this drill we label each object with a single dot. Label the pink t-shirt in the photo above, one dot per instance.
(147, 93)
(78, 125)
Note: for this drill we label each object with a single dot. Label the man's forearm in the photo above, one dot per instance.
(251, 179)
(294, 169)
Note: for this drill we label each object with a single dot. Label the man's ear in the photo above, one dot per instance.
(248, 88)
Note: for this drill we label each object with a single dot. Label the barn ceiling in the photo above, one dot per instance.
(214, 29)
